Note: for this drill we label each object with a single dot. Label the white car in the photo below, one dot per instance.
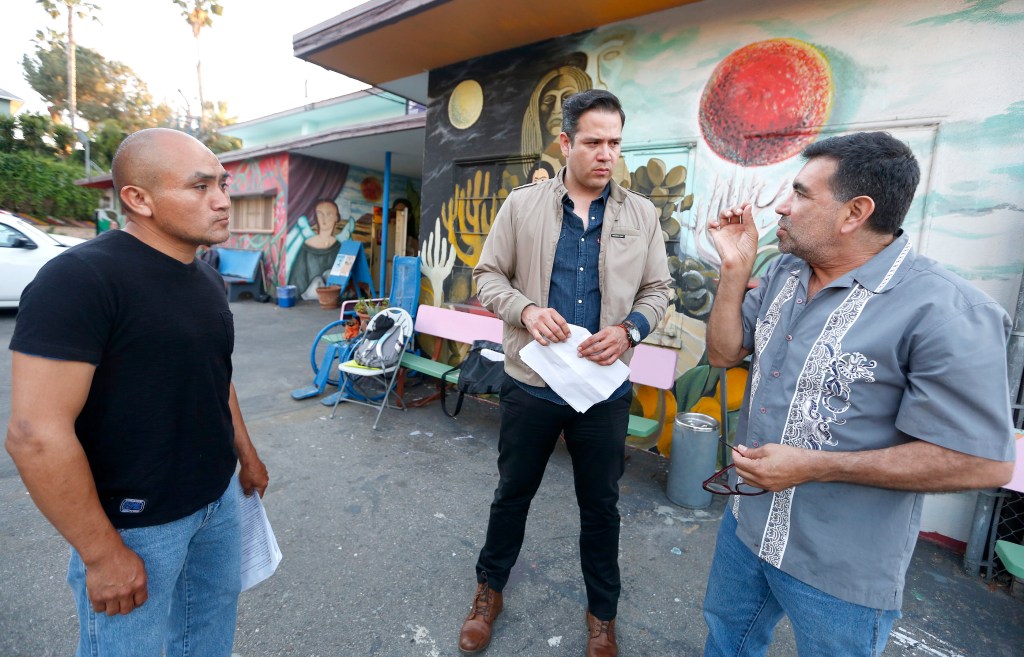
(24, 249)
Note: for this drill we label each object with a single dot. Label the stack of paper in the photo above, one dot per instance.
(580, 382)
(260, 552)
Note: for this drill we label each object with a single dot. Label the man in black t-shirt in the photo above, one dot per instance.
(125, 426)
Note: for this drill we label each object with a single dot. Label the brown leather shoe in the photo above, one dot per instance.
(601, 639)
(476, 631)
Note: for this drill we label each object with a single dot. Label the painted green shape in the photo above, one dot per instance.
(781, 27)
(977, 11)
(942, 204)
(987, 272)
(691, 386)
(996, 128)
(1015, 172)
(654, 44)
(723, 52)
(960, 233)
(849, 82)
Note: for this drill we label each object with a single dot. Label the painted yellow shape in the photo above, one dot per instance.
(705, 405)
(735, 386)
(466, 104)
(468, 216)
(647, 396)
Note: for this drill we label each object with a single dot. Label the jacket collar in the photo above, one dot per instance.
(615, 191)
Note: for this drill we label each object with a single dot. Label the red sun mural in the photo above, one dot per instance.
(766, 101)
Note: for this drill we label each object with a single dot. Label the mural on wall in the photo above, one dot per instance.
(345, 211)
(765, 101)
(720, 99)
(316, 254)
(257, 178)
(475, 111)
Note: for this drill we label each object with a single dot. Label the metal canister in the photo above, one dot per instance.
(694, 455)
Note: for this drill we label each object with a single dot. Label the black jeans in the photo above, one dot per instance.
(596, 441)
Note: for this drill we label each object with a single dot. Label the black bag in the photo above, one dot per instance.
(477, 375)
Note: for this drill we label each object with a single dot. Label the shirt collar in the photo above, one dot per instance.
(882, 272)
(603, 197)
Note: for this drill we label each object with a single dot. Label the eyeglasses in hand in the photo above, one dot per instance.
(718, 483)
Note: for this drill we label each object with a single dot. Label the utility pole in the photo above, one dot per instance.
(72, 105)
(84, 138)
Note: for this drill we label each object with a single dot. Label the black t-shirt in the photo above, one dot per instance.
(156, 426)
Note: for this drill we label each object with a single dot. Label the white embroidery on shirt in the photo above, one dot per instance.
(895, 267)
(762, 335)
(822, 393)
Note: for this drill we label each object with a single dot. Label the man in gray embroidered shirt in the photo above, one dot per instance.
(876, 376)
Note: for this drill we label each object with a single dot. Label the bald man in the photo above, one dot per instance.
(125, 425)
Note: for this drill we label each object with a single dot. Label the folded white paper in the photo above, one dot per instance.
(260, 552)
(580, 382)
(492, 355)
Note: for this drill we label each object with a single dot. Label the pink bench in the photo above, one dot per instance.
(650, 366)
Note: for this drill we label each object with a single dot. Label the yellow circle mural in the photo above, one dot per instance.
(465, 104)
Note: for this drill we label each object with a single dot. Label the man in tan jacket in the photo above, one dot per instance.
(576, 249)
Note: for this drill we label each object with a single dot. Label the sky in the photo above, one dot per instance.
(246, 54)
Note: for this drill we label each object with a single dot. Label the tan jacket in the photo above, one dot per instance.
(518, 256)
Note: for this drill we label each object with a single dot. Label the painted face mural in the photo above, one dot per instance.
(542, 120)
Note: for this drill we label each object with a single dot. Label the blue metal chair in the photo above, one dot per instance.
(330, 346)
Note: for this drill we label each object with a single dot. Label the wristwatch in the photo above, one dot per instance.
(632, 332)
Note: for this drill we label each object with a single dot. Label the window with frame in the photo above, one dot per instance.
(252, 214)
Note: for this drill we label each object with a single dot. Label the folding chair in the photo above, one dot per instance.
(351, 372)
(330, 345)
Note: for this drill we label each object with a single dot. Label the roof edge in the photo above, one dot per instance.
(357, 21)
(399, 124)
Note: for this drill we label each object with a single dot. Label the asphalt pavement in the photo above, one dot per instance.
(380, 531)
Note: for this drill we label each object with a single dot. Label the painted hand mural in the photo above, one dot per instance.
(437, 258)
(468, 216)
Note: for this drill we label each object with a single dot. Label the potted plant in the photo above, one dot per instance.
(329, 296)
(367, 308)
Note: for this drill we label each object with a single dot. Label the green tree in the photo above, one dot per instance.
(42, 186)
(8, 144)
(105, 139)
(199, 14)
(210, 135)
(107, 89)
(35, 128)
(63, 141)
(82, 10)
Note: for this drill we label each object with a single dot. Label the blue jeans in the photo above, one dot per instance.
(746, 598)
(193, 581)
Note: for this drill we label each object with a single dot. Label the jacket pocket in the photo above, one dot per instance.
(625, 261)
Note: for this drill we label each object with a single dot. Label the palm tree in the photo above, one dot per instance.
(82, 10)
(199, 14)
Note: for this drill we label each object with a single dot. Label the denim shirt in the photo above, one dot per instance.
(574, 291)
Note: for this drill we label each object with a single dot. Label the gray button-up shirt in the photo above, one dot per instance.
(896, 350)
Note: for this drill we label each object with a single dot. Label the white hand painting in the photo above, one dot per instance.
(438, 259)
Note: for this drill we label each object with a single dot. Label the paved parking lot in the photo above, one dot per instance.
(380, 531)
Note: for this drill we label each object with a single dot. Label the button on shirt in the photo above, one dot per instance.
(575, 291)
(898, 349)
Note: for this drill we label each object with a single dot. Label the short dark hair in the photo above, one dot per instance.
(873, 164)
(593, 99)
